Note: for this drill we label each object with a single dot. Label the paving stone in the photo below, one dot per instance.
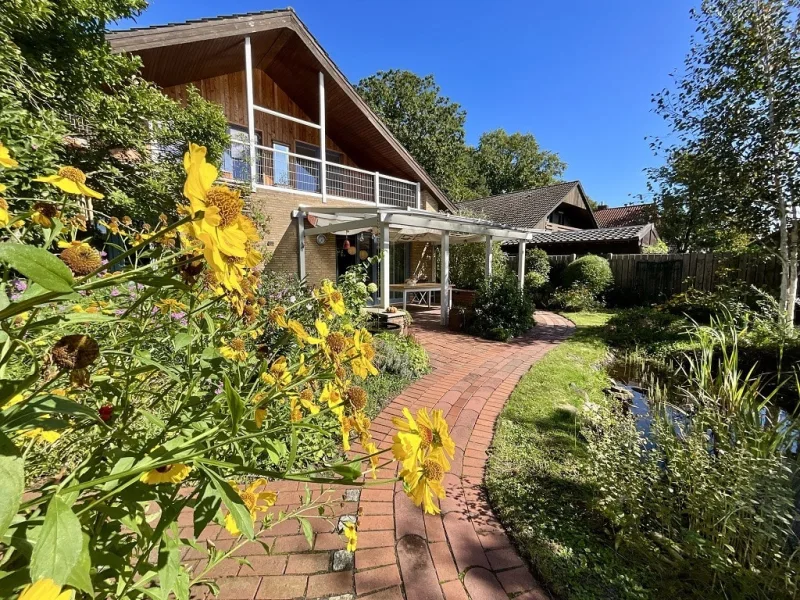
(483, 585)
(345, 519)
(504, 558)
(328, 584)
(305, 564)
(282, 587)
(517, 580)
(454, 590)
(343, 560)
(238, 588)
(419, 574)
(377, 579)
(375, 557)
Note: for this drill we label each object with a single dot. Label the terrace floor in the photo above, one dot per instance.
(463, 553)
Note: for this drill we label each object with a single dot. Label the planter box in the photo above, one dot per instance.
(458, 320)
(464, 298)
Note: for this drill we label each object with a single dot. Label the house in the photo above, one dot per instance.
(624, 216)
(334, 183)
(567, 222)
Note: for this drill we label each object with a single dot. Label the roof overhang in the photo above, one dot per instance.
(409, 224)
(179, 53)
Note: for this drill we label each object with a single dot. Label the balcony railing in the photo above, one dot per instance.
(281, 169)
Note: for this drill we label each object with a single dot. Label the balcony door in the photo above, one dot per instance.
(236, 158)
(308, 171)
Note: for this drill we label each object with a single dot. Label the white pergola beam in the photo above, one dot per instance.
(487, 269)
(521, 264)
(323, 154)
(251, 115)
(445, 279)
(385, 262)
(343, 226)
(439, 224)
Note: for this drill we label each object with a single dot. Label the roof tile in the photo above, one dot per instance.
(524, 208)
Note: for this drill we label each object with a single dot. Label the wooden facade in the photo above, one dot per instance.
(229, 91)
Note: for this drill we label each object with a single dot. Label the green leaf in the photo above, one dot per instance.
(233, 502)
(181, 340)
(125, 463)
(38, 265)
(292, 450)
(235, 405)
(59, 544)
(85, 317)
(206, 509)
(81, 577)
(349, 472)
(12, 482)
(169, 561)
(308, 531)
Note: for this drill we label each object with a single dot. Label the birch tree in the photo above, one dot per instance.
(737, 105)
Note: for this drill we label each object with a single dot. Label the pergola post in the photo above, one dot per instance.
(385, 266)
(489, 250)
(251, 111)
(301, 246)
(323, 153)
(445, 278)
(521, 264)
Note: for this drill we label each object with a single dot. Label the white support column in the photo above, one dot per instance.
(521, 264)
(323, 166)
(251, 119)
(487, 269)
(385, 266)
(445, 278)
(377, 188)
(301, 246)
(419, 196)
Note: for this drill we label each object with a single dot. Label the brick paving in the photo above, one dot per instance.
(462, 554)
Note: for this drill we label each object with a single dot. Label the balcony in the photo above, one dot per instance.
(279, 169)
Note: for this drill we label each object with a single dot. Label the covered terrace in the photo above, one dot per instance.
(409, 224)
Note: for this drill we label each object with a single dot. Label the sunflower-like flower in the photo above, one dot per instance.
(352, 536)
(44, 213)
(75, 352)
(357, 398)
(71, 181)
(5, 157)
(331, 299)
(80, 257)
(234, 350)
(171, 305)
(279, 374)
(44, 589)
(423, 437)
(42, 435)
(113, 226)
(423, 482)
(227, 236)
(174, 473)
(301, 335)
(255, 502)
(363, 353)
(374, 458)
(278, 316)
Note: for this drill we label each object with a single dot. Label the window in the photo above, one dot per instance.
(308, 170)
(558, 218)
(236, 159)
(281, 175)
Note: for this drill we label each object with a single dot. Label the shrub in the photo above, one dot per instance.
(537, 261)
(575, 298)
(590, 272)
(502, 309)
(468, 264)
(643, 326)
(401, 355)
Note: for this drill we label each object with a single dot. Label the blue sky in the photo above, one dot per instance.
(578, 74)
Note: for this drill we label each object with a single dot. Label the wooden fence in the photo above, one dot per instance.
(654, 277)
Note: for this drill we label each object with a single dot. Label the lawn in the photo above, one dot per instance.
(536, 473)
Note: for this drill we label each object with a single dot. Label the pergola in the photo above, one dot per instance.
(410, 224)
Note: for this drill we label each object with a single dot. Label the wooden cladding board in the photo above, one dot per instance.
(230, 92)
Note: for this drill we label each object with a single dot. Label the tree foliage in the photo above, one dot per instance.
(66, 98)
(431, 127)
(735, 115)
(511, 162)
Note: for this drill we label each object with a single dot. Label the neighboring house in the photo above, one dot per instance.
(624, 216)
(570, 226)
(336, 186)
(562, 206)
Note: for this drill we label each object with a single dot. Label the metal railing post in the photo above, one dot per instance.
(377, 188)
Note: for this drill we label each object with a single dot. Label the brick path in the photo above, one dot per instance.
(461, 554)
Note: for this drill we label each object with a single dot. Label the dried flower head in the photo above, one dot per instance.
(81, 258)
(357, 397)
(75, 352)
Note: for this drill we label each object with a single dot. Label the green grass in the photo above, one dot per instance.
(536, 478)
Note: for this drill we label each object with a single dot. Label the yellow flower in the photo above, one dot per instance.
(71, 181)
(279, 374)
(374, 457)
(261, 414)
(42, 435)
(331, 298)
(278, 316)
(255, 502)
(435, 435)
(363, 354)
(5, 218)
(423, 482)
(80, 257)
(351, 535)
(300, 333)
(5, 157)
(44, 213)
(45, 589)
(302, 369)
(223, 230)
(333, 398)
(407, 440)
(234, 350)
(113, 226)
(174, 473)
(170, 305)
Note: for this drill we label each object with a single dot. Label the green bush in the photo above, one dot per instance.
(635, 327)
(502, 309)
(468, 264)
(590, 272)
(400, 355)
(574, 299)
(537, 261)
